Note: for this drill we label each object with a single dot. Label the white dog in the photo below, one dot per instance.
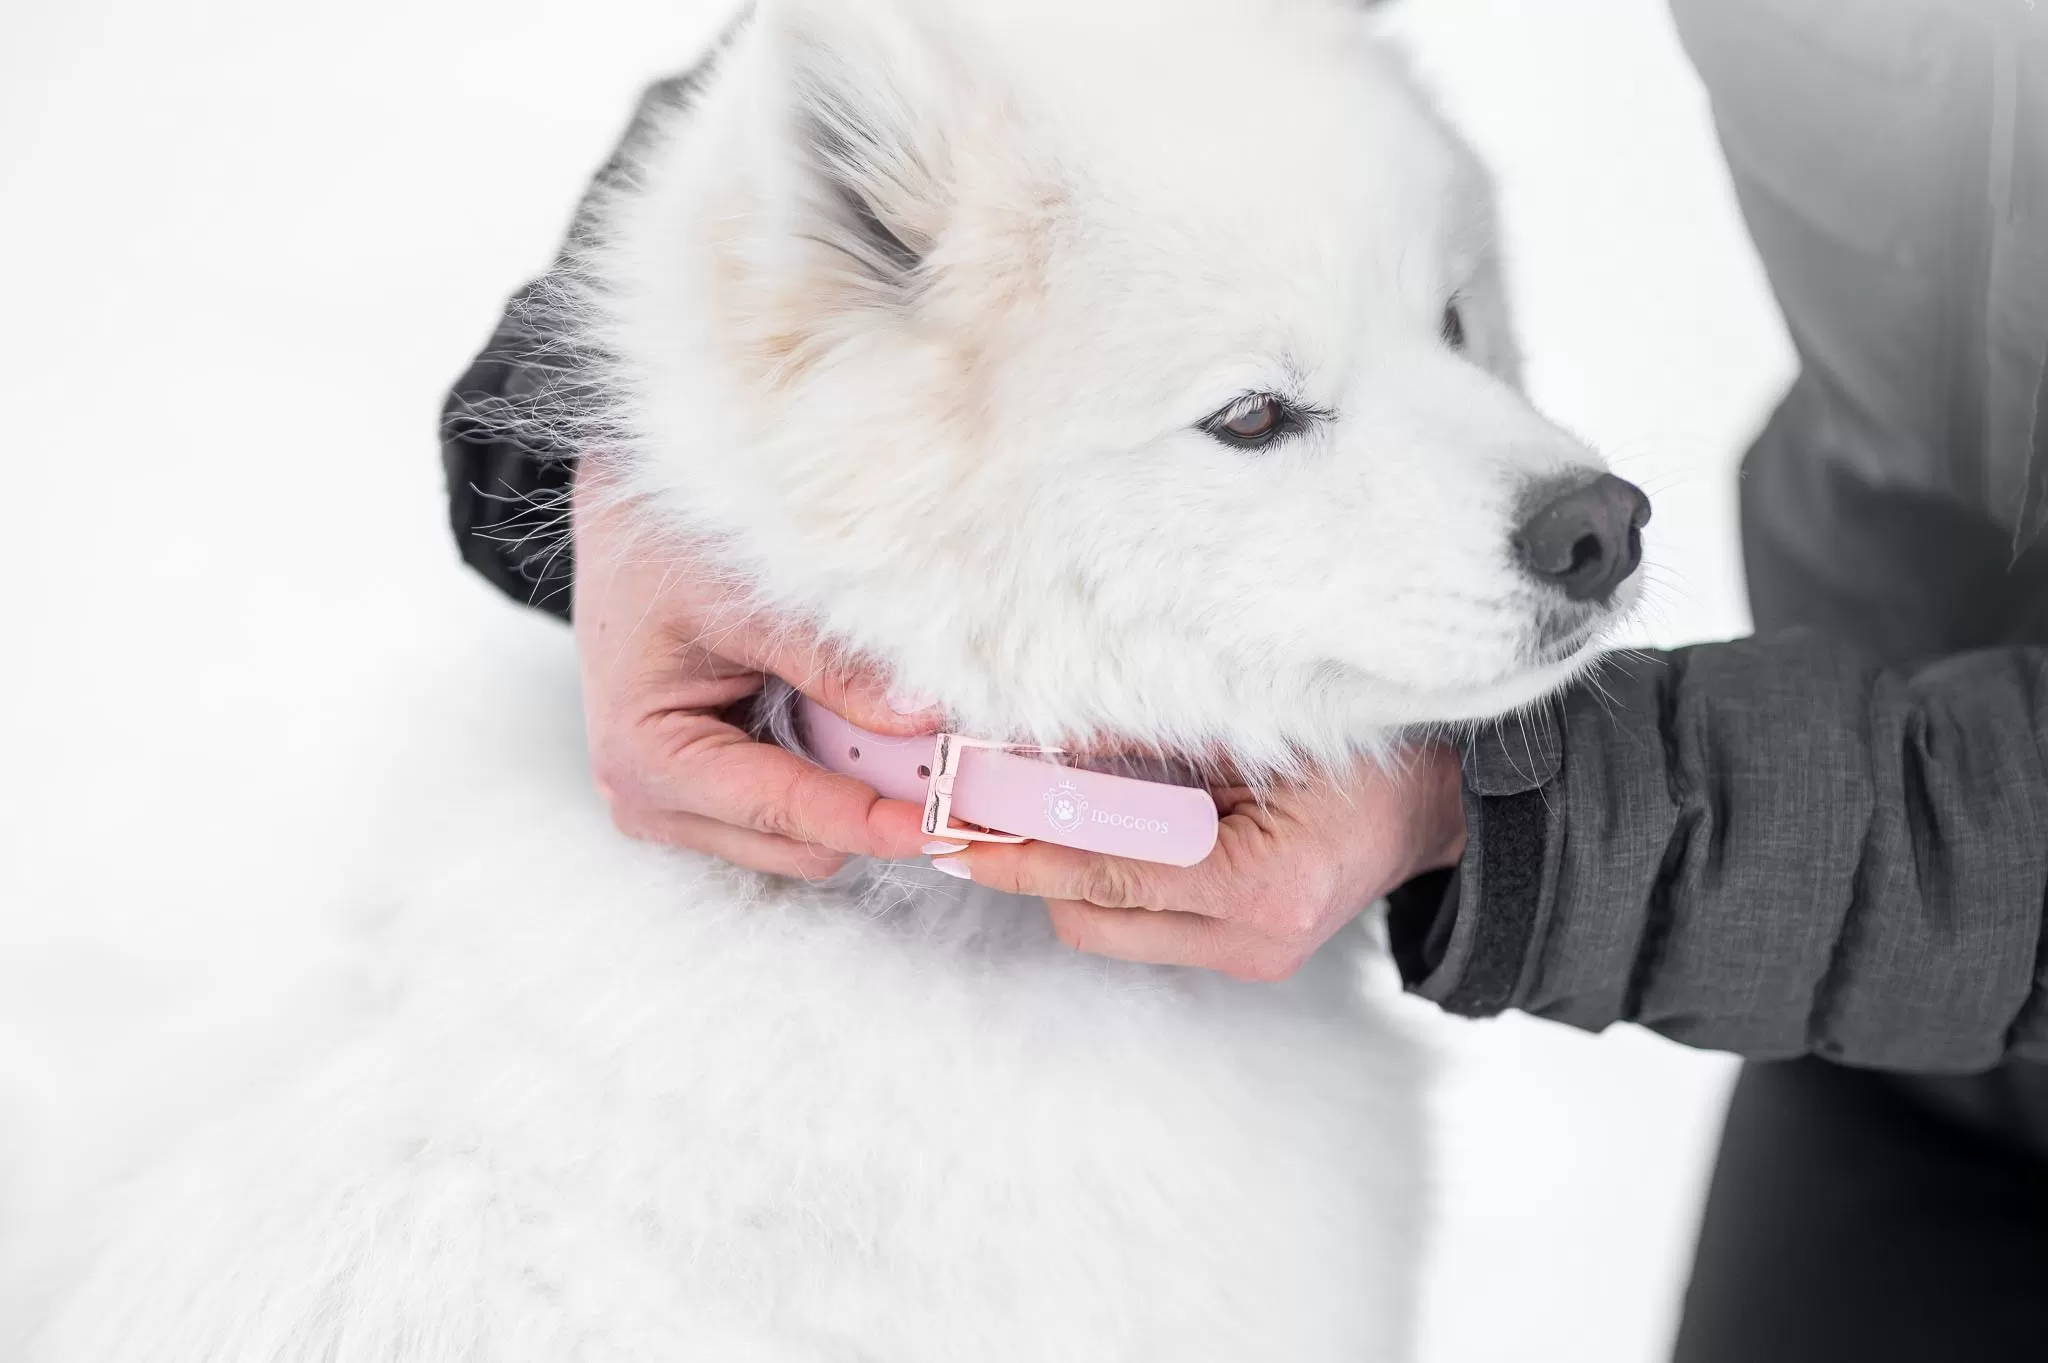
(1129, 367)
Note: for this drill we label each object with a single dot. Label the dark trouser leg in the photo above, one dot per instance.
(1847, 1224)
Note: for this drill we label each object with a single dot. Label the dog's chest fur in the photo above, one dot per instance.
(625, 1104)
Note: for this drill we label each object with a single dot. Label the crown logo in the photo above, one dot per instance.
(1065, 807)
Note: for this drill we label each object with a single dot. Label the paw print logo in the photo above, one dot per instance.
(1065, 807)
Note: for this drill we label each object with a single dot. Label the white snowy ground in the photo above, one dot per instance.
(245, 245)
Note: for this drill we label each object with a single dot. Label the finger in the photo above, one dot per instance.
(1181, 939)
(697, 608)
(718, 772)
(1052, 872)
(856, 691)
(741, 846)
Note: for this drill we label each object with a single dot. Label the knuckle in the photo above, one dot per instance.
(1105, 883)
(773, 809)
(775, 816)
(615, 770)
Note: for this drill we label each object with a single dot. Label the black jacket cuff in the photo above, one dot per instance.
(1465, 938)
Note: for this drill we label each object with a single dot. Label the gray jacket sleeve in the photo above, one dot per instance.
(1771, 847)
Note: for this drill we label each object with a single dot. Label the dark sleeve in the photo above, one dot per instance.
(509, 464)
(1771, 847)
(508, 478)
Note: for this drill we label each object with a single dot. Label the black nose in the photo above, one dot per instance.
(1589, 540)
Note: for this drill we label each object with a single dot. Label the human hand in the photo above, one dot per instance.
(1290, 870)
(668, 651)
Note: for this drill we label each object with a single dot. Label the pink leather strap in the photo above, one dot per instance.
(1017, 795)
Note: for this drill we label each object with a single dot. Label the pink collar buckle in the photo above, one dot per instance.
(973, 790)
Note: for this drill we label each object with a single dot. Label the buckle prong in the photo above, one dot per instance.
(938, 803)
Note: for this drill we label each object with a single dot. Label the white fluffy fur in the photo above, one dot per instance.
(613, 1103)
(1137, 211)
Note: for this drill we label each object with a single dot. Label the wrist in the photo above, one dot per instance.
(1438, 835)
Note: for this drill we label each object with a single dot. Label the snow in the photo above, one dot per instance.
(250, 243)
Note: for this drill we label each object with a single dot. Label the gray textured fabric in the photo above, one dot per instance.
(1780, 846)
(1830, 840)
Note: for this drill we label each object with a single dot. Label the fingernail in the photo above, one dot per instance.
(943, 849)
(907, 702)
(957, 870)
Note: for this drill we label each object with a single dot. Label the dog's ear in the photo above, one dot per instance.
(872, 86)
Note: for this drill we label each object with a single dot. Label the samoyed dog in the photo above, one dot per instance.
(1101, 367)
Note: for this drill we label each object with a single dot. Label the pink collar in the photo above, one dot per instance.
(976, 791)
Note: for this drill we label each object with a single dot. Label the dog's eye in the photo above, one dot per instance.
(1251, 422)
(1259, 421)
(1454, 325)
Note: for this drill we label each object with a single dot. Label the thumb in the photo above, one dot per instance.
(851, 687)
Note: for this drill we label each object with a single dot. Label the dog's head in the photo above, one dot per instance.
(1125, 366)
